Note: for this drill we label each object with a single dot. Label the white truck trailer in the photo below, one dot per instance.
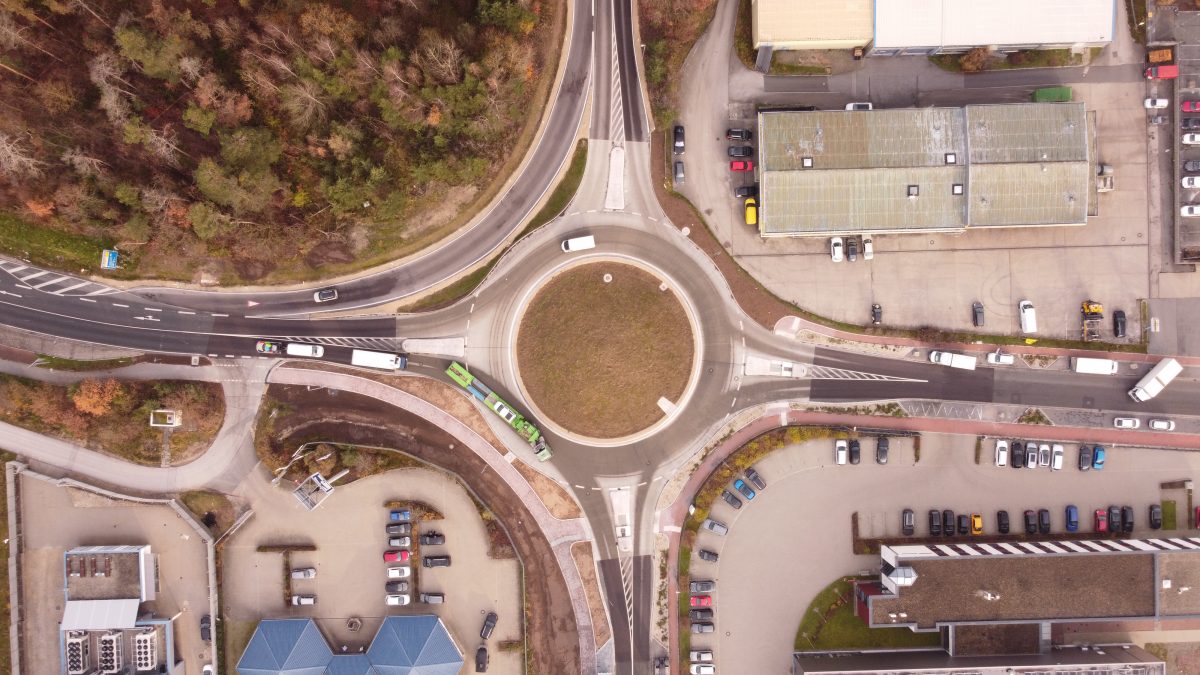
(381, 360)
(954, 360)
(1092, 366)
(1156, 380)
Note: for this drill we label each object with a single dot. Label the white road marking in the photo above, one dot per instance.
(184, 311)
(230, 356)
(28, 288)
(151, 309)
(103, 289)
(15, 295)
(86, 300)
(117, 304)
(71, 288)
(55, 280)
(18, 268)
(220, 315)
(34, 275)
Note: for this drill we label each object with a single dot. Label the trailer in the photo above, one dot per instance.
(1156, 380)
(492, 401)
(1092, 313)
(380, 360)
(954, 360)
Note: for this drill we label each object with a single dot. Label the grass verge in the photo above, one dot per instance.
(1170, 514)
(211, 508)
(1029, 58)
(743, 35)
(58, 363)
(829, 623)
(1136, 9)
(50, 248)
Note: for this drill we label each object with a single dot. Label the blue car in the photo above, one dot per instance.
(400, 516)
(1072, 518)
(740, 486)
(1097, 458)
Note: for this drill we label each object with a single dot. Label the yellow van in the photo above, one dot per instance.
(751, 211)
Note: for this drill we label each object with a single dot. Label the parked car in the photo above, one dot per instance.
(852, 249)
(1098, 458)
(855, 451)
(840, 451)
(753, 477)
(876, 314)
(702, 627)
(715, 526)
(1044, 521)
(678, 147)
(1188, 123)
(395, 556)
(1119, 315)
(1156, 103)
(680, 173)
(976, 524)
(1192, 164)
(881, 450)
(433, 538)
(701, 601)
(702, 669)
(948, 523)
(266, 347)
(396, 587)
(435, 561)
(731, 499)
(398, 529)
(741, 151)
(708, 556)
(700, 655)
(1018, 455)
(935, 523)
(741, 165)
(400, 515)
(964, 524)
(977, 314)
(1127, 519)
(325, 295)
(1114, 518)
(1001, 453)
(1189, 106)
(751, 211)
(868, 248)
(1030, 522)
(999, 358)
(1085, 458)
(907, 522)
(702, 586)
(399, 572)
(746, 191)
(1190, 139)
(1072, 518)
(400, 542)
(1161, 424)
(700, 614)
(1127, 423)
(1044, 454)
(489, 625)
(1100, 521)
(304, 573)
(206, 628)
(481, 659)
(298, 600)
(1156, 520)
(433, 598)
(859, 106)
(1002, 521)
(740, 486)
(1056, 457)
(835, 249)
(1031, 455)
(738, 135)
(1189, 210)
(396, 600)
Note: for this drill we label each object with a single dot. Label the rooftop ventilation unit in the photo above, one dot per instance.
(145, 650)
(951, 158)
(79, 653)
(110, 653)
(806, 162)
(913, 191)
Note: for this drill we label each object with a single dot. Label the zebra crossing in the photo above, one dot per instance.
(828, 373)
(54, 283)
(372, 343)
(616, 113)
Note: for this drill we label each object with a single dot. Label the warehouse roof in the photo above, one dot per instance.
(971, 23)
(812, 21)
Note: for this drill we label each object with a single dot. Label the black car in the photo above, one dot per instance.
(481, 660)
(206, 628)
(852, 249)
(737, 134)
(1030, 522)
(1085, 458)
(435, 561)
(398, 530)
(700, 614)
(855, 452)
(1189, 123)
(1119, 323)
(1155, 516)
(1002, 521)
(1192, 165)
(396, 587)
(489, 625)
(881, 450)
(432, 538)
(710, 556)
(741, 151)
(730, 499)
(1044, 521)
(1127, 519)
(876, 314)
(907, 522)
(977, 314)
(753, 477)
(1114, 519)
(1018, 455)
(935, 523)
(744, 191)
(964, 524)
(679, 139)
(948, 523)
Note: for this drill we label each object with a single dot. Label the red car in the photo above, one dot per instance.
(741, 165)
(701, 601)
(1190, 106)
(395, 556)
(1198, 517)
(1101, 520)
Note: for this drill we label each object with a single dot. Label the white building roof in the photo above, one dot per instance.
(815, 23)
(971, 23)
(99, 614)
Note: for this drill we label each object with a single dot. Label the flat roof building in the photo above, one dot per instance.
(811, 24)
(912, 170)
(1066, 660)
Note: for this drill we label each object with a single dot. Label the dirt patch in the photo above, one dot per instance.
(597, 356)
(553, 495)
(212, 509)
(581, 551)
(328, 252)
(350, 419)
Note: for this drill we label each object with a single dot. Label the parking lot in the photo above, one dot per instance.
(794, 538)
(348, 532)
(57, 518)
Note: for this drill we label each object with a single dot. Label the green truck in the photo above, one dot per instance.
(524, 428)
(1052, 95)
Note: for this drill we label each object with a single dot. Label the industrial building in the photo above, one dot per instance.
(812, 24)
(1070, 660)
(824, 173)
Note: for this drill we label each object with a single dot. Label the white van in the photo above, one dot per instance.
(579, 244)
(297, 349)
(1028, 316)
(1093, 366)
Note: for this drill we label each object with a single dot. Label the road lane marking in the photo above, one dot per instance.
(151, 309)
(86, 300)
(220, 315)
(230, 356)
(34, 275)
(184, 311)
(117, 304)
(70, 288)
(15, 295)
(18, 268)
(28, 288)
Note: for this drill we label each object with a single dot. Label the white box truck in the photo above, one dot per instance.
(1156, 380)
(1028, 316)
(954, 360)
(381, 360)
(1093, 366)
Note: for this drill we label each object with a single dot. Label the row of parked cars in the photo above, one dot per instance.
(1114, 519)
(1031, 455)
(840, 250)
(851, 450)
(743, 488)
(399, 531)
(300, 574)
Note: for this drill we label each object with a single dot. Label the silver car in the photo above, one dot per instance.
(715, 526)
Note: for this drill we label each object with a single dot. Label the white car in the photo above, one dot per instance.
(1044, 454)
(1191, 182)
(836, 249)
(396, 600)
(1001, 453)
(840, 450)
(298, 600)
(1056, 459)
(1156, 103)
(862, 106)
(1190, 139)
(1189, 210)
(1127, 423)
(304, 573)
(999, 358)
(868, 248)
(702, 655)
(399, 572)
(703, 669)
(1162, 425)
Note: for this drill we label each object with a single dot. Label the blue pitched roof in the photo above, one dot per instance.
(404, 645)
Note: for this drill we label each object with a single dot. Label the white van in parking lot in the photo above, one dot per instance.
(297, 349)
(1028, 316)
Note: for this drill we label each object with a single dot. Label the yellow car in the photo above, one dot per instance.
(751, 211)
(976, 524)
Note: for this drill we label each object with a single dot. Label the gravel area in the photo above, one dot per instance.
(1009, 638)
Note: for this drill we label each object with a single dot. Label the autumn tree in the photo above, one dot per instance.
(97, 397)
(975, 60)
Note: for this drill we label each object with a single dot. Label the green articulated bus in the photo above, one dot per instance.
(526, 429)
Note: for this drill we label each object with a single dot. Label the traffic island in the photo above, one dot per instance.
(601, 345)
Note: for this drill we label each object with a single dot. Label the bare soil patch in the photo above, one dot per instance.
(551, 493)
(582, 553)
(596, 357)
